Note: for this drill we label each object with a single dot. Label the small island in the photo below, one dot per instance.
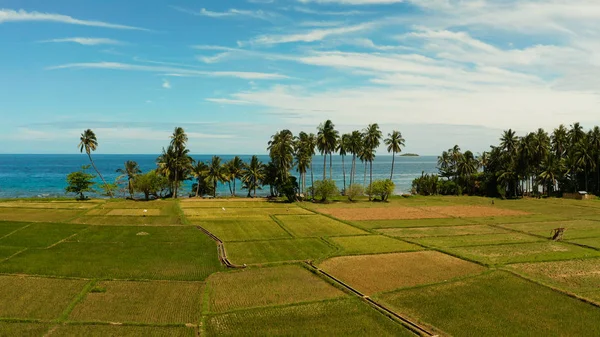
(409, 155)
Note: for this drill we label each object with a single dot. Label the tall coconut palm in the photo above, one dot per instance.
(327, 138)
(584, 157)
(89, 143)
(551, 170)
(131, 170)
(594, 143)
(373, 137)
(234, 168)
(303, 154)
(394, 143)
(215, 173)
(344, 147)
(559, 140)
(281, 151)
(199, 171)
(178, 142)
(253, 175)
(311, 145)
(355, 146)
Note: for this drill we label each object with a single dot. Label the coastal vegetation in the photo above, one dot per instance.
(287, 153)
(537, 164)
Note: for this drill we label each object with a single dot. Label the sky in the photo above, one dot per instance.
(232, 73)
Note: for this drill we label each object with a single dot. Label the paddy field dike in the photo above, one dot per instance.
(462, 266)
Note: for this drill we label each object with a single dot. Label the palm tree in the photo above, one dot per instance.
(559, 141)
(199, 171)
(253, 175)
(584, 157)
(215, 173)
(89, 142)
(372, 140)
(344, 147)
(178, 143)
(303, 154)
(394, 143)
(281, 151)
(234, 169)
(355, 146)
(594, 143)
(327, 137)
(131, 170)
(551, 169)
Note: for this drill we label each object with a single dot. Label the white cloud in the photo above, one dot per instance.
(227, 101)
(166, 84)
(311, 36)
(258, 14)
(7, 15)
(322, 12)
(353, 2)
(87, 41)
(170, 70)
(114, 134)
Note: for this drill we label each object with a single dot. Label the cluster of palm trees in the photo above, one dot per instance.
(567, 160)
(288, 151)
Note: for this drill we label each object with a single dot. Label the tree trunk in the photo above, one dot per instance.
(344, 170)
(370, 177)
(230, 190)
(214, 189)
(198, 188)
(99, 174)
(312, 180)
(365, 177)
(330, 164)
(325, 165)
(176, 180)
(234, 179)
(393, 159)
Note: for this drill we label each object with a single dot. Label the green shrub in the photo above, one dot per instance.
(325, 189)
(354, 191)
(381, 188)
(426, 184)
(80, 182)
(151, 184)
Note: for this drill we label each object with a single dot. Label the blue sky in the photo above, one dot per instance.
(232, 73)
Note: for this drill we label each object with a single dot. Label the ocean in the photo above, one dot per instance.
(32, 175)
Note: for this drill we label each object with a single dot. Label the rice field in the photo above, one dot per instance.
(371, 244)
(259, 287)
(496, 304)
(316, 226)
(459, 266)
(371, 274)
(141, 302)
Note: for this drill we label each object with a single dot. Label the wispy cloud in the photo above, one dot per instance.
(227, 101)
(8, 15)
(306, 10)
(258, 14)
(311, 36)
(86, 41)
(170, 70)
(166, 84)
(353, 2)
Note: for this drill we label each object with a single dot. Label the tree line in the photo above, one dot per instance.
(286, 152)
(537, 164)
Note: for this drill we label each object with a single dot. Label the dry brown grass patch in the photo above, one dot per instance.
(372, 274)
(381, 213)
(135, 212)
(468, 211)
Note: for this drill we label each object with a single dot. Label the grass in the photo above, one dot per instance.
(497, 304)
(523, 252)
(574, 228)
(372, 274)
(9, 227)
(39, 235)
(441, 231)
(577, 276)
(49, 205)
(374, 224)
(6, 252)
(141, 235)
(234, 212)
(591, 242)
(162, 261)
(37, 215)
(266, 287)
(317, 226)
(135, 212)
(371, 244)
(476, 240)
(16, 329)
(141, 302)
(331, 318)
(237, 203)
(38, 298)
(256, 252)
(122, 331)
(108, 220)
(244, 230)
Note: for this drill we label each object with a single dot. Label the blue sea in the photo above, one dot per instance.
(28, 175)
